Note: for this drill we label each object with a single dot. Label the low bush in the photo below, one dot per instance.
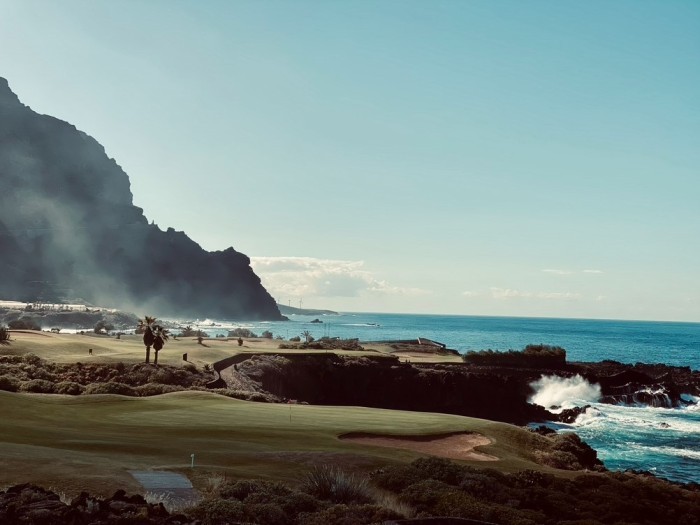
(531, 356)
(242, 332)
(69, 388)
(31, 359)
(396, 478)
(218, 512)
(266, 514)
(37, 386)
(9, 383)
(332, 484)
(348, 515)
(156, 389)
(109, 388)
(23, 323)
(4, 334)
(241, 489)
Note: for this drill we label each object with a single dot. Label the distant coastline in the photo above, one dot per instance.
(290, 310)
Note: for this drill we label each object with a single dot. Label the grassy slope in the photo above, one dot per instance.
(90, 441)
(82, 442)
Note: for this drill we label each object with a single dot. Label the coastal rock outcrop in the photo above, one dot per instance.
(383, 382)
(489, 392)
(69, 228)
(29, 504)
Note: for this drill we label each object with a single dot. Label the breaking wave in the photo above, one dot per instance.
(564, 392)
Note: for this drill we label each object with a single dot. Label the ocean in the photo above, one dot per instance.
(664, 441)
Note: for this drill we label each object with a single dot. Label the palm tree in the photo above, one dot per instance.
(307, 335)
(146, 327)
(161, 336)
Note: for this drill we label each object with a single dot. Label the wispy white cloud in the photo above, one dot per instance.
(509, 293)
(470, 294)
(554, 271)
(309, 277)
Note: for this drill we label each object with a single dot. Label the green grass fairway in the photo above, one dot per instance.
(89, 442)
(72, 348)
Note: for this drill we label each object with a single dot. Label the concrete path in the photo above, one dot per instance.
(170, 487)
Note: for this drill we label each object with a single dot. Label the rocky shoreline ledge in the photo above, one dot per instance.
(499, 393)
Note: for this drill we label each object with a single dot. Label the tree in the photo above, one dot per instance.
(307, 336)
(161, 336)
(102, 327)
(145, 327)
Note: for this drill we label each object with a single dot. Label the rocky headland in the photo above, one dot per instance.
(69, 228)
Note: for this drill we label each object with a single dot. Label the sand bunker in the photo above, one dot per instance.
(451, 446)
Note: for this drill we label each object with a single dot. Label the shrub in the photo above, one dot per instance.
(348, 515)
(109, 388)
(37, 386)
(295, 339)
(241, 489)
(266, 334)
(530, 356)
(396, 478)
(31, 359)
(425, 494)
(9, 383)
(156, 389)
(102, 327)
(4, 334)
(218, 512)
(241, 332)
(440, 469)
(266, 514)
(69, 388)
(332, 484)
(188, 331)
(23, 323)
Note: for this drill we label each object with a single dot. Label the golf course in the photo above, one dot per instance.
(75, 442)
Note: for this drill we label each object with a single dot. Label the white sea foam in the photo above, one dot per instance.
(564, 392)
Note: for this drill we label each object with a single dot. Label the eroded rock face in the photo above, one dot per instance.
(31, 505)
(489, 392)
(69, 228)
(382, 382)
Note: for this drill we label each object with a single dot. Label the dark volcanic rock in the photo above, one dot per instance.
(68, 228)
(31, 505)
(489, 392)
(382, 382)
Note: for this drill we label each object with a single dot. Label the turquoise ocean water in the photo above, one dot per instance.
(661, 440)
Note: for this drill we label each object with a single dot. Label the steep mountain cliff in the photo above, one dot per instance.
(68, 228)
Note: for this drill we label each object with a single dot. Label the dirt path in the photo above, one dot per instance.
(452, 446)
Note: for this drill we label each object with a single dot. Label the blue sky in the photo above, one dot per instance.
(533, 158)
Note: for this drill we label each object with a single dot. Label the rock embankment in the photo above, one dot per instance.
(29, 504)
(489, 392)
(386, 382)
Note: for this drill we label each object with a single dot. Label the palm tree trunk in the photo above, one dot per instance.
(155, 358)
(148, 354)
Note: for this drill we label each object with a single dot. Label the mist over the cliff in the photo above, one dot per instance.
(69, 229)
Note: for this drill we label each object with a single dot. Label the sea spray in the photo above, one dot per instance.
(564, 392)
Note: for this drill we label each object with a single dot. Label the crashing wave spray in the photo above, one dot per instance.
(564, 392)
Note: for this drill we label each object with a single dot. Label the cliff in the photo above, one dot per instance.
(69, 228)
